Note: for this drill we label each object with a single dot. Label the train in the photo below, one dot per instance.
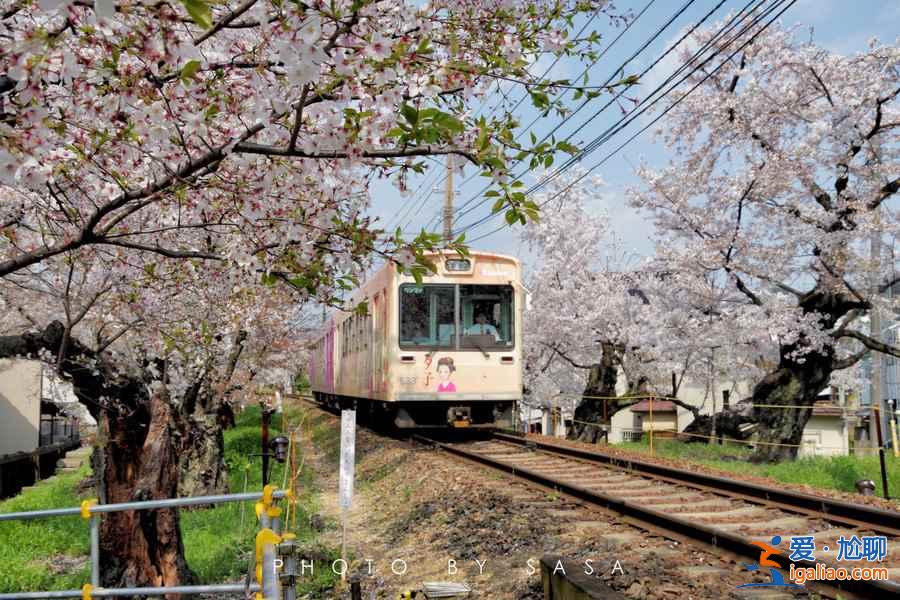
(446, 352)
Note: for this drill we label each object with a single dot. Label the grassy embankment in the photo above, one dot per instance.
(44, 554)
(837, 473)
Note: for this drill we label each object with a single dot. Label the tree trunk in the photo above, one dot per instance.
(138, 461)
(142, 548)
(791, 384)
(202, 469)
(602, 381)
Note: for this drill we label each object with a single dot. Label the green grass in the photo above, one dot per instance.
(26, 546)
(836, 473)
(218, 541)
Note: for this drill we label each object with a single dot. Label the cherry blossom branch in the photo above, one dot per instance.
(561, 354)
(849, 361)
(102, 345)
(224, 22)
(887, 190)
(266, 150)
(157, 249)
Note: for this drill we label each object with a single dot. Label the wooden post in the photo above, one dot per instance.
(884, 479)
(726, 400)
(355, 589)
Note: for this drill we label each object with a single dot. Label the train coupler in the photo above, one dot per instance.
(459, 416)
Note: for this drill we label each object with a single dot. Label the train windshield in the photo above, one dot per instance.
(458, 317)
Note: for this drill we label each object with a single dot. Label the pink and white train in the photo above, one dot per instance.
(444, 353)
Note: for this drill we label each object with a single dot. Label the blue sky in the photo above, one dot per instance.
(838, 25)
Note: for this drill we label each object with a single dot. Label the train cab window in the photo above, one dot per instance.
(486, 316)
(429, 319)
(427, 316)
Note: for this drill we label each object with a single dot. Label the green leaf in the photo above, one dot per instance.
(498, 205)
(268, 279)
(409, 113)
(189, 70)
(200, 12)
(511, 216)
(567, 147)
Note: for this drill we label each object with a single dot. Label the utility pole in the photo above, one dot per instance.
(448, 202)
(875, 391)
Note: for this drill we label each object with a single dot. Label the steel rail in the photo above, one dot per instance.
(829, 509)
(640, 515)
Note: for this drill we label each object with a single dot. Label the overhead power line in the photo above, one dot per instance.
(775, 6)
(613, 75)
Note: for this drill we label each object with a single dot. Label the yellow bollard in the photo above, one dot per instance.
(651, 425)
(894, 438)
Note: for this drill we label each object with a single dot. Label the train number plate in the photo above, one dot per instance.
(408, 380)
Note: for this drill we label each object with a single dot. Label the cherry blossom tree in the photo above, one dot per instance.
(786, 162)
(200, 167)
(598, 312)
(161, 360)
(249, 133)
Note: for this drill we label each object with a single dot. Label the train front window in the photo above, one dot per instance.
(486, 316)
(427, 316)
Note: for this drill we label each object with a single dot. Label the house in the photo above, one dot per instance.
(658, 416)
(828, 432)
(34, 429)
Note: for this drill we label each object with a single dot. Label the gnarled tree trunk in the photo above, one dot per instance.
(600, 389)
(142, 548)
(798, 380)
(201, 469)
(791, 384)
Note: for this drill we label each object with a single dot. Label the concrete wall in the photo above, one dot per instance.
(824, 436)
(20, 405)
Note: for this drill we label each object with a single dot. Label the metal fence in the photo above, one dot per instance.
(272, 578)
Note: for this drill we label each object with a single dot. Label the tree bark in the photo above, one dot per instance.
(142, 548)
(202, 470)
(602, 379)
(791, 384)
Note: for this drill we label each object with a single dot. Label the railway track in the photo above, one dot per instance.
(722, 514)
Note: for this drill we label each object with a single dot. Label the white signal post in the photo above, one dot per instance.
(347, 469)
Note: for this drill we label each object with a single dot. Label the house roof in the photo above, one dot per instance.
(658, 406)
